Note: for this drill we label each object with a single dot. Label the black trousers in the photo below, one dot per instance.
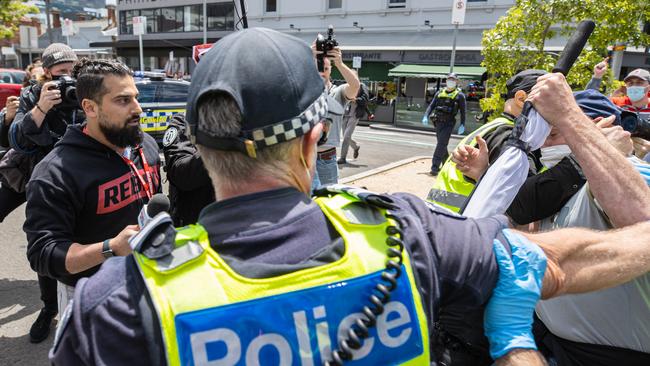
(440, 154)
(9, 201)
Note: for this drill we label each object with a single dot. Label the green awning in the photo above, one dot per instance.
(435, 71)
(369, 71)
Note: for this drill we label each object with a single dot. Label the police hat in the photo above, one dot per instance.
(274, 81)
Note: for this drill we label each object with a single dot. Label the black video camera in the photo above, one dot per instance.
(67, 85)
(635, 124)
(324, 45)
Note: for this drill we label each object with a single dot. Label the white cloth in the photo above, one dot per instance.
(64, 294)
(500, 184)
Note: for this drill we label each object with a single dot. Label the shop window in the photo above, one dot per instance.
(220, 17)
(271, 6)
(171, 20)
(334, 4)
(193, 18)
(152, 21)
(396, 4)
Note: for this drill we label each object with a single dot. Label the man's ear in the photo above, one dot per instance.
(90, 107)
(520, 98)
(310, 139)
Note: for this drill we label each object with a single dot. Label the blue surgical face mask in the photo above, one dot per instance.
(636, 93)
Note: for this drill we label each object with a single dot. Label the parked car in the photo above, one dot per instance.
(160, 99)
(11, 81)
(475, 91)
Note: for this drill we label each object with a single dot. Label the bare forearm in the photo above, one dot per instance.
(351, 79)
(522, 357)
(616, 185)
(581, 260)
(82, 257)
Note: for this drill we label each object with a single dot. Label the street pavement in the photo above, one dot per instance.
(19, 295)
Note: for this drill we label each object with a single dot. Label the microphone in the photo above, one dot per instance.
(157, 204)
(575, 45)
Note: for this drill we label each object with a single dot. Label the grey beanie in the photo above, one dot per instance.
(57, 53)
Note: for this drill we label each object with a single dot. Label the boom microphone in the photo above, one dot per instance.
(157, 204)
(575, 45)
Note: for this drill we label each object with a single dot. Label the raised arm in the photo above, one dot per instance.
(619, 189)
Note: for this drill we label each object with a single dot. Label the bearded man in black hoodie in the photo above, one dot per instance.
(84, 197)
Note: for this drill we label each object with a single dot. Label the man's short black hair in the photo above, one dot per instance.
(90, 77)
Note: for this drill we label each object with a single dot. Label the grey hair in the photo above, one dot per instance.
(219, 115)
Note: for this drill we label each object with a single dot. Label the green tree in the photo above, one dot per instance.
(518, 39)
(11, 11)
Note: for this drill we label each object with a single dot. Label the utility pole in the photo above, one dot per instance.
(47, 21)
(244, 20)
(205, 21)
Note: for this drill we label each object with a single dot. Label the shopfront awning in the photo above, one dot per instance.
(435, 71)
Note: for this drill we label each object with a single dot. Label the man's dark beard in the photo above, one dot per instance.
(121, 137)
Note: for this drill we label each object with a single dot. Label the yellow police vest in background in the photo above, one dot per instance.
(208, 312)
(451, 189)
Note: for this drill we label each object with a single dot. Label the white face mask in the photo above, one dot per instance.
(451, 84)
(553, 154)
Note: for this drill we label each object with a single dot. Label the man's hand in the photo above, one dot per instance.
(470, 161)
(120, 244)
(601, 68)
(641, 147)
(50, 96)
(553, 99)
(616, 135)
(509, 313)
(12, 107)
(336, 56)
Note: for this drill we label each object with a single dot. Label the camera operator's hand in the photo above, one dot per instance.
(553, 99)
(601, 68)
(12, 107)
(616, 135)
(120, 244)
(641, 147)
(50, 96)
(314, 51)
(336, 56)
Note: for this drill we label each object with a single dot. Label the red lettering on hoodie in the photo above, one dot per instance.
(120, 192)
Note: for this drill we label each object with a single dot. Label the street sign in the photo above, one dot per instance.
(139, 26)
(458, 12)
(356, 62)
(199, 50)
(67, 29)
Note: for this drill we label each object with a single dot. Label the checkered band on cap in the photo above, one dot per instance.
(290, 129)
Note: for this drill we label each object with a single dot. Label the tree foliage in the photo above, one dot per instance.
(518, 39)
(11, 11)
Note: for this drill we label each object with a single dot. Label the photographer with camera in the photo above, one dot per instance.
(328, 53)
(40, 121)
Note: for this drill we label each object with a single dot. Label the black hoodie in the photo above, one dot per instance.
(82, 192)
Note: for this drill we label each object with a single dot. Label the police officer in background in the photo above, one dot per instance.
(269, 276)
(190, 187)
(445, 106)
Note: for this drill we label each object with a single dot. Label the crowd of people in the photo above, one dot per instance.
(264, 259)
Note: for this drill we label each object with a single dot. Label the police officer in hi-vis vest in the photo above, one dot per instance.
(443, 110)
(270, 276)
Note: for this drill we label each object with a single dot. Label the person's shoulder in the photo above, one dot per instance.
(110, 284)
(149, 143)
(416, 205)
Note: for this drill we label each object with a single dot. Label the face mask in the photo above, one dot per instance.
(553, 154)
(636, 93)
(451, 84)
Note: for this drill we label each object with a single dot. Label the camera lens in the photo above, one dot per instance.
(629, 122)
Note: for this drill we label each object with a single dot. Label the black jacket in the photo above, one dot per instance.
(82, 192)
(190, 187)
(25, 136)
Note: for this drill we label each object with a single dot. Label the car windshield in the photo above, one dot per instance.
(12, 77)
